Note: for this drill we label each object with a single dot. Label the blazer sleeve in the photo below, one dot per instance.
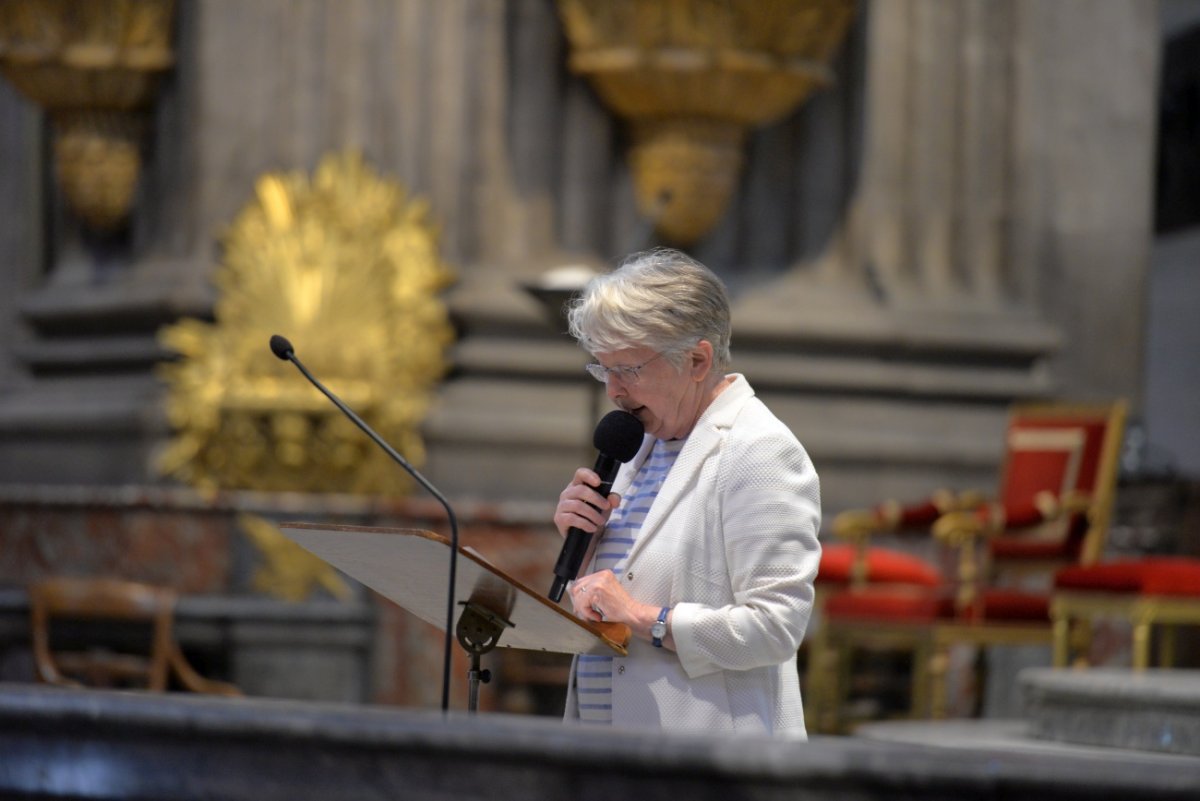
(769, 514)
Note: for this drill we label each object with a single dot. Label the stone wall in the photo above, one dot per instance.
(890, 303)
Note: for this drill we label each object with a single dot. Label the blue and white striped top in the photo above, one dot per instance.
(593, 674)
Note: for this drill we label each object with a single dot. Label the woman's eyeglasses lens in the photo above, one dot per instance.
(628, 374)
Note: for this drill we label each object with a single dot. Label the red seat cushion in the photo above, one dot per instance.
(919, 605)
(883, 565)
(1161, 575)
(896, 604)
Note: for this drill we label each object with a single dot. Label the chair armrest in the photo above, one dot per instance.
(961, 532)
(960, 528)
(856, 525)
(969, 499)
(193, 681)
(1053, 506)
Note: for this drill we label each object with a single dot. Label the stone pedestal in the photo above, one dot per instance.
(1105, 715)
(1154, 710)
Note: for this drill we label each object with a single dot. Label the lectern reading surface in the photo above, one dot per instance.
(407, 566)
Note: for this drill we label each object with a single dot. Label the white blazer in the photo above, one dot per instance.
(730, 543)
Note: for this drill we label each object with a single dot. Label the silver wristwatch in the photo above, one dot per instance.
(658, 629)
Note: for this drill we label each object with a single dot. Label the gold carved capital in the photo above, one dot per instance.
(693, 76)
(94, 67)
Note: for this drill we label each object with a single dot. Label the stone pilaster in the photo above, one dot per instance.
(1000, 198)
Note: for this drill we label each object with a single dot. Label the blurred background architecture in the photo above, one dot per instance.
(926, 211)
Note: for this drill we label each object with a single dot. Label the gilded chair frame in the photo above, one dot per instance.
(1073, 614)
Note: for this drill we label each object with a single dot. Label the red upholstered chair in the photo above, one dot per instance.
(1162, 592)
(1052, 508)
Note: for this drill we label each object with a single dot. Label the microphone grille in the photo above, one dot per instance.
(281, 347)
(619, 434)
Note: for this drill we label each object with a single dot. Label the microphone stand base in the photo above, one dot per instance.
(478, 631)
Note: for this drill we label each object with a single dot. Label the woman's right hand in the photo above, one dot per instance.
(581, 506)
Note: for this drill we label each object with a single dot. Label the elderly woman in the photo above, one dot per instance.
(707, 547)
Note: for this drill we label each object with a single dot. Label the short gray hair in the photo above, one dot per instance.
(661, 299)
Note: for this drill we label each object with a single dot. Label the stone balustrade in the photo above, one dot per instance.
(103, 745)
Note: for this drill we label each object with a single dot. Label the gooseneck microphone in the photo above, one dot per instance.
(618, 437)
(283, 349)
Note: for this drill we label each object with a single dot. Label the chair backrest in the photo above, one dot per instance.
(1060, 454)
(129, 662)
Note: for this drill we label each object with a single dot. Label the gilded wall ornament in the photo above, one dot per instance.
(288, 572)
(347, 267)
(692, 77)
(94, 67)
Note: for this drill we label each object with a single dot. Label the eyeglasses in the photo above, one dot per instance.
(627, 373)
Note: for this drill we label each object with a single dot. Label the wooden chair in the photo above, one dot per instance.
(144, 656)
(1052, 508)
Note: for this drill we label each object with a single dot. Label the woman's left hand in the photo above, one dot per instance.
(600, 597)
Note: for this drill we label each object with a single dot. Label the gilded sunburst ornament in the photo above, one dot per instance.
(346, 266)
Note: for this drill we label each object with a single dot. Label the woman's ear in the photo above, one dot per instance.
(702, 360)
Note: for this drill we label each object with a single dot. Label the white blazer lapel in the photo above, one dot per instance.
(705, 438)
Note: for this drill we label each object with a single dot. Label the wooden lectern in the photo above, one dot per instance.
(408, 567)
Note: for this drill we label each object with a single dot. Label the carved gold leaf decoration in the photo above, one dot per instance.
(346, 266)
(289, 572)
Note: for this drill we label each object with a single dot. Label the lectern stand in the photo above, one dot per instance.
(408, 567)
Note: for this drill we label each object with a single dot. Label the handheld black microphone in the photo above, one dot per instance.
(283, 349)
(618, 437)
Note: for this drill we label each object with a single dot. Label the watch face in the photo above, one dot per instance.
(659, 630)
